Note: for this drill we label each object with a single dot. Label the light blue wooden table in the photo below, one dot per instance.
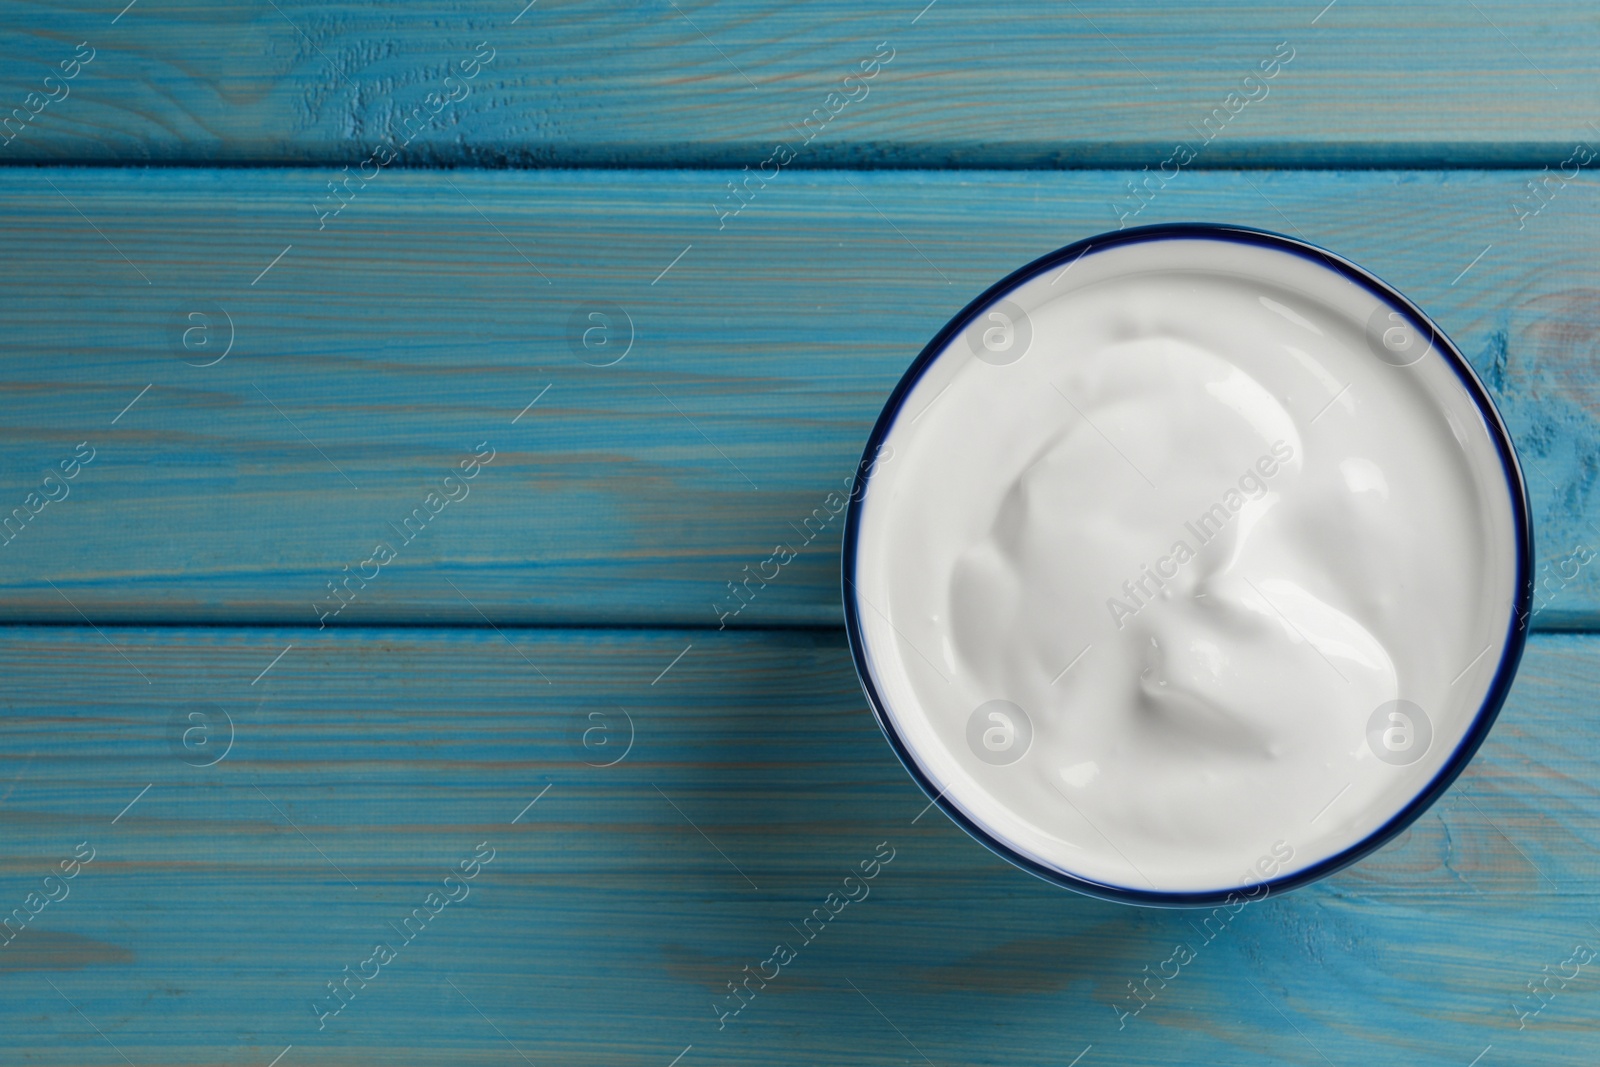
(277, 275)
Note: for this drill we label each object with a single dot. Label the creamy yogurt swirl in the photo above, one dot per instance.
(1190, 554)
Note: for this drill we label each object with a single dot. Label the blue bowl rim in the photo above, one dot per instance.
(1505, 671)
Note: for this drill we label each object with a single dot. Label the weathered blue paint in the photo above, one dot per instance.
(412, 329)
(378, 346)
(217, 907)
(1423, 83)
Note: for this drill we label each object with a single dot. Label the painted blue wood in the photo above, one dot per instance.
(365, 765)
(1093, 83)
(373, 357)
(389, 330)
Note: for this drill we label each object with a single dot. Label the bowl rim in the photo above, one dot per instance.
(1516, 632)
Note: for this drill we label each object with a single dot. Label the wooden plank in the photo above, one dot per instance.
(372, 357)
(1420, 83)
(366, 763)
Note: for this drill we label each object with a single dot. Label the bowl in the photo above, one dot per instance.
(1190, 748)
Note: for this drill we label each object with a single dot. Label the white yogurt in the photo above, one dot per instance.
(1163, 539)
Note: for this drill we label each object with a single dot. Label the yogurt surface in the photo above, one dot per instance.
(1186, 564)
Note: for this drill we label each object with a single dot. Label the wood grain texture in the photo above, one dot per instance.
(370, 358)
(1046, 84)
(266, 800)
(365, 764)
